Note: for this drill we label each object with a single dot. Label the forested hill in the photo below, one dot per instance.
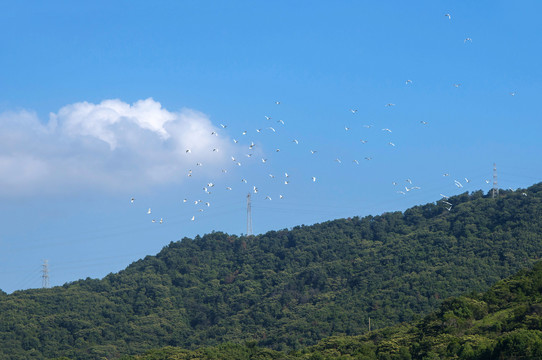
(284, 289)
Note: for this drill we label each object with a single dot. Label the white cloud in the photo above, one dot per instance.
(110, 145)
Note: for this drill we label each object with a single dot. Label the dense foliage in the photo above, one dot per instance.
(285, 289)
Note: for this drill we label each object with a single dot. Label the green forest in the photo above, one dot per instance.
(308, 292)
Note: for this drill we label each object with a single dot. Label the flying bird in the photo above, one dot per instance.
(132, 200)
(354, 111)
(313, 179)
(264, 160)
(149, 211)
(295, 141)
(408, 82)
(386, 129)
(277, 102)
(355, 161)
(448, 16)
(267, 117)
(223, 126)
(467, 40)
(423, 122)
(390, 104)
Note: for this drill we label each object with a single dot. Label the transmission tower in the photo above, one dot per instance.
(45, 275)
(495, 187)
(249, 216)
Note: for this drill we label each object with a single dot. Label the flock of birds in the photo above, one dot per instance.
(275, 127)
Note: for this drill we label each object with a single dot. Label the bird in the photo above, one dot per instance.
(264, 160)
(228, 188)
(386, 129)
(161, 220)
(354, 111)
(214, 133)
(445, 174)
(394, 183)
(390, 143)
(513, 93)
(277, 150)
(408, 82)
(193, 218)
(153, 221)
(248, 155)
(244, 132)
(295, 141)
(444, 196)
(224, 170)
(368, 158)
(270, 128)
(235, 141)
(132, 200)
(367, 126)
(267, 117)
(409, 181)
(199, 164)
(286, 182)
(233, 158)
(271, 176)
(149, 211)
(313, 152)
(524, 194)
(467, 180)
(363, 141)
(244, 180)
(390, 104)
(346, 128)
(423, 122)
(401, 192)
(268, 197)
(280, 121)
(223, 126)
(188, 151)
(185, 200)
(215, 150)
(448, 16)
(281, 196)
(208, 204)
(277, 102)
(286, 175)
(313, 179)
(258, 130)
(467, 40)
(355, 161)
(338, 160)
(456, 85)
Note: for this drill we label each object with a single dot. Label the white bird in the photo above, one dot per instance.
(447, 203)
(280, 121)
(338, 160)
(210, 184)
(235, 141)
(248, 155)
(208, 204)
(286, 182)
(401, 192)
(270, 128)
(467, 39)
(214, 133)
(199, 164)
(456, 85)
(267, 117)
(185, 200)
(244, 132)
(193, 218)
(467, 180)
(458, 184)
(524, 194)
(228, 188)
(271, 176)
(153, 221)
(390, 104)
(513, 93)
(268, 198)
(238, 164)
(487, 181)
(390, 143)
(281, 197)
(201, 210)
(423, 122)
(132, 200)
(346, 128)
(408, 82)
(386, 129)
(286, 175)
(161, 220)
(224, 170)
(233, 158)
(149, 211)
(394, 183)
(244, 180)
(448, 16)
(277, 102)
(354, 111)
(224, 126)
(258, 130)
(313, 152)
(357, 162)
(444, 196)
(368, 158)
(277, 150)
(445, 174)
(367, 126)
(409, 181)
(313, 179)
(295, 141)
(251, 145)
(195, 202)
(264, 160)
(363, 141)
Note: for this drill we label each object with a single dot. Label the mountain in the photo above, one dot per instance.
(284, 289)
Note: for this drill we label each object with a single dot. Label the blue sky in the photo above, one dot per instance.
(100, 101)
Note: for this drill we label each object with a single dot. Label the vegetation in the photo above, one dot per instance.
(288, 289)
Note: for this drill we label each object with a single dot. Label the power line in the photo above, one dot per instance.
(495, 187)
(249, 215)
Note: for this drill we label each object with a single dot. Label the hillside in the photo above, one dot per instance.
(285, 289)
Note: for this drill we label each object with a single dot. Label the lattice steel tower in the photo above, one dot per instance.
(495, 186)
(249, 216)
(45, 274)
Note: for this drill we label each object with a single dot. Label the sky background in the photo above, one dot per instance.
(100, 101)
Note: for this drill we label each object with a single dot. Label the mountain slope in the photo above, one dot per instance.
(284, 289)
